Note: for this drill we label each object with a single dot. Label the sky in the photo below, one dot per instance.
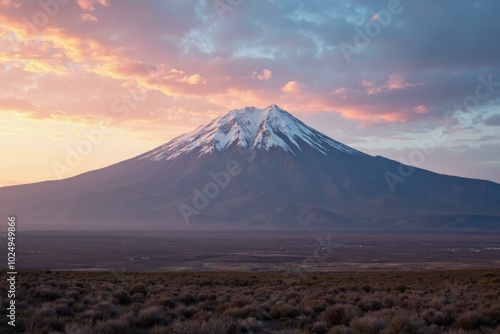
(88, 83)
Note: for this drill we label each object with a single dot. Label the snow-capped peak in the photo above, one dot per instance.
(249, 128)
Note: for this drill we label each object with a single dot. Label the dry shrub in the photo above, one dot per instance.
(89, 300)
(405, 323)
(166, 301)
(73, 328)
(212, 326)
(401, 288)
(112, 326)
(44, 320)
(320, 327)
(73, 293)
(366, 288)
(138, 288)
(186, 312)
(433, 329)
(304, 320)
(242, 301)
(122, 297)
(160, 330)
(103, 296)
(439, 318)
(47, 293)
(372, 323)
(340, 330)
(310, 306)
(244, 312)
(368, 304)
(150, 316)
(78, 307)
(188, 299)
(250, 325)
(470, 320)
(105, 310)
(284, 310)
(72, 304)
(340, 314)
(45, 311)
(63, 310)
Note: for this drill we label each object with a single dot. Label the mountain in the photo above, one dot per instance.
(256, 167)
(250, 128)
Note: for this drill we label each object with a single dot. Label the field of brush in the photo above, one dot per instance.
(274, 281)
(301, 301)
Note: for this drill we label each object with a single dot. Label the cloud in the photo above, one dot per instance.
(225, 55)
(421, 109)
(41, 66)
(493, 120)
(9, 3)
(89, 5)
(177, 48)
(344, 92)
(264, 75)
(291, 87)
(194, 79)
(160, 77)
(9, 104)
(88, 17)
(395, 82)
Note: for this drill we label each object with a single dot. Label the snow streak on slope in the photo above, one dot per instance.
(249, 128)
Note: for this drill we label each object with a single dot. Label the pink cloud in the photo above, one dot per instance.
(291, 87)
(344, 92)
(264, 75)
(421, 109)
(194, 79)
(88, 17)
(89, 5)
(63, 52)
(395, 82)
(7, 104)
(41, 66)
(375, 17)
(9, 3)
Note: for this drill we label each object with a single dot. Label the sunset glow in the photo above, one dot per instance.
(127, 76)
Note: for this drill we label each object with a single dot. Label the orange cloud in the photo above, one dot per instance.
(343, 92)
(161, 78)
(9, 104)
(76, 48)
(9, 3)
(291, 87)
(264, 75)
(88, 17)
(57, 52)
(194, 79)
(367, 119)
(89, 5)
(395, 82)
(40, 66)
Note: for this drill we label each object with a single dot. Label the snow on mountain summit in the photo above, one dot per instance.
(249, 128)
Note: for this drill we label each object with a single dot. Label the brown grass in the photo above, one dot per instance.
(222, 302)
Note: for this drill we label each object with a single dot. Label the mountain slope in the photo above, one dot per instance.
(256, 167)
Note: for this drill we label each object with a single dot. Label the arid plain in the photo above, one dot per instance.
(252, 250)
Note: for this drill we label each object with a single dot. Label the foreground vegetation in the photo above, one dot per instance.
(392, 302)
